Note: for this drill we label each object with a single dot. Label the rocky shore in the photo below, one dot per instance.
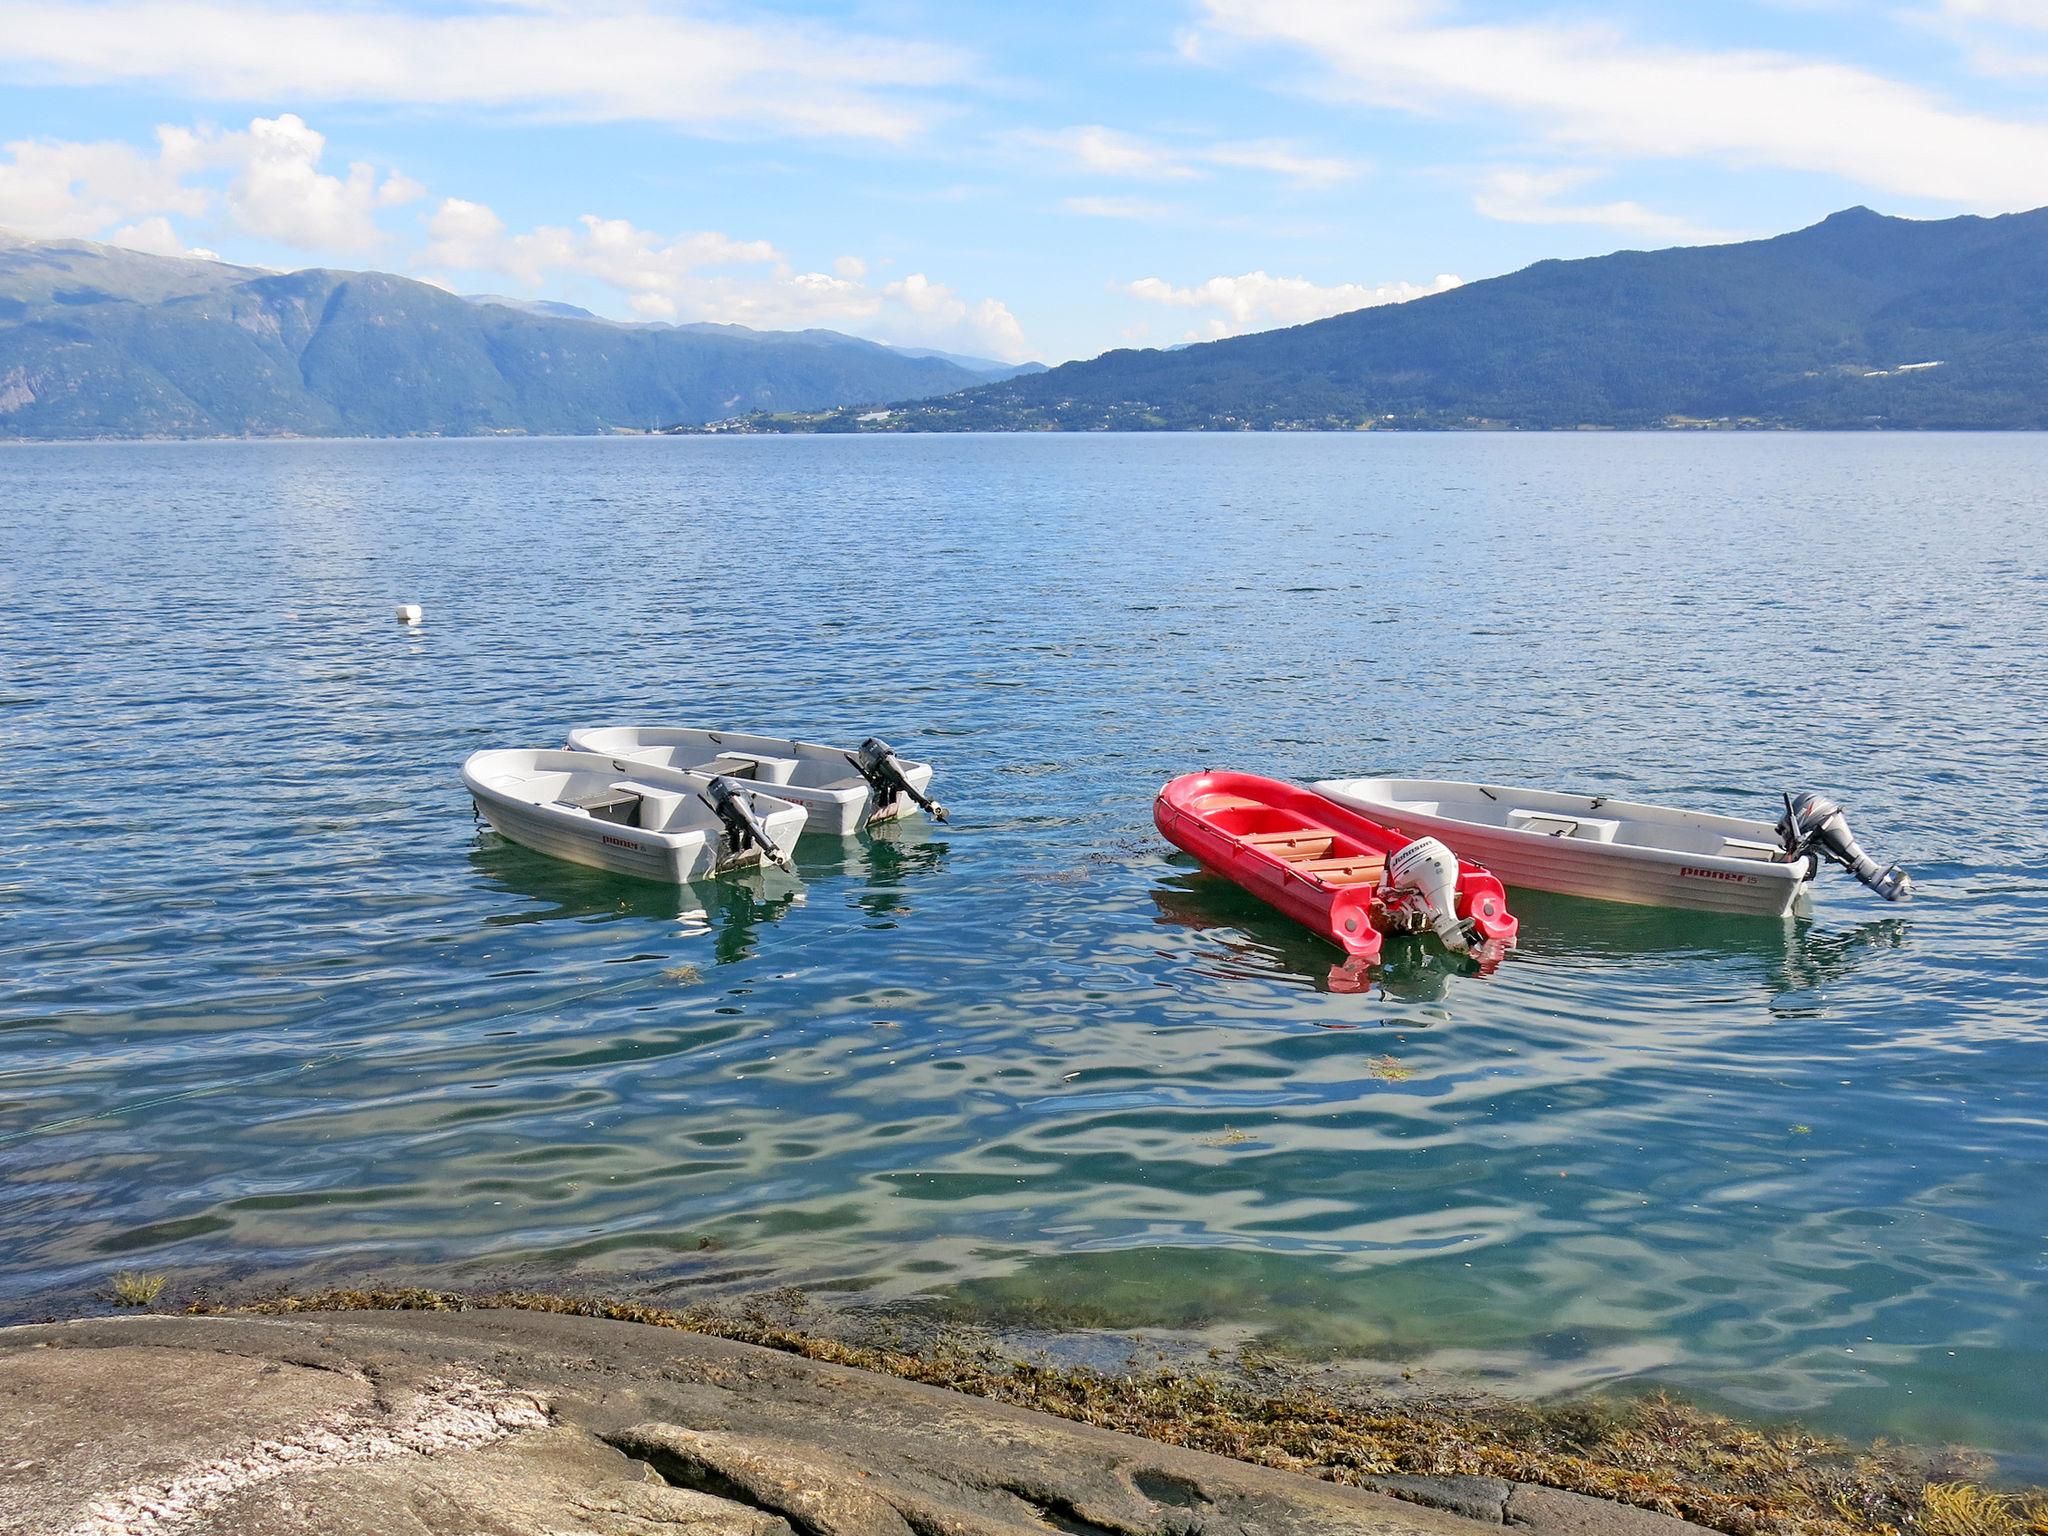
(422, 1414)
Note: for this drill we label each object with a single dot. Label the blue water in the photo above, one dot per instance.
(273, 1005)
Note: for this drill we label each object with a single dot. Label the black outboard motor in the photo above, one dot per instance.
(888, 778)
(742, 826)
(1814, 824)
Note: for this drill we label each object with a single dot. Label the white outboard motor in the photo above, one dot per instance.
(1814, 825)
(1425, 874)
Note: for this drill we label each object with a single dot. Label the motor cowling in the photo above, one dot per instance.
(1814, 826)
(742, 826)
(1424, 876)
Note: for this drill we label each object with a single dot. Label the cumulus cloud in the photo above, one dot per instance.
(707, 275)
(282, 194)
(1093, 150)
(275, 187)
(1257, 301)
(618, 60)
(1536, 197)
(155, 237)
(470, 237)
(51, 188)
(1595, 88)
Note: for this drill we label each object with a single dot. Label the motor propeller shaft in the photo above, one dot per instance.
(1813, 824)
(886, 775)
(729, 802)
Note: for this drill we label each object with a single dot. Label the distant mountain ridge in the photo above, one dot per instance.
(97, 341)
(1861, 321)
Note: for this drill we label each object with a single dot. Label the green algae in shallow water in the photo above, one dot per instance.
(1655, 1453)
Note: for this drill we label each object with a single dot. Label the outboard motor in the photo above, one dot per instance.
(730, 804)
(1814, 824)
(888, 778)
(1425, 874)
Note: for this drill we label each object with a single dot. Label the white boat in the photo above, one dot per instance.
(1620, 850)
(844, 788)
(630, 818)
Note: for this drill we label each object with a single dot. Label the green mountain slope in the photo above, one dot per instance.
(1809, 329)
(101, 342)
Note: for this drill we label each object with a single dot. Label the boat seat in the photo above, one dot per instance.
(751, 766)
(616, 803)
(1352, 869)
(1745, 848)
(1290, 847)
(1587, 829)
(1209, 805)
(658, 806)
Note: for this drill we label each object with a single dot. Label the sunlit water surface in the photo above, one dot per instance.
(272, 1003)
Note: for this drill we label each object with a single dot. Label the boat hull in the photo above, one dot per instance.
(696, 849)
(1214, 817)
(1600, 871)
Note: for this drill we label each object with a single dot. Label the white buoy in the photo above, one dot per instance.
(409, 613)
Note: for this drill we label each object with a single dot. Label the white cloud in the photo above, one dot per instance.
(1282, 159)
(1257, 301)
(937, 310)
(2012, 13)
(1094, 150)
(275, 187)
(469, 237)
(1098, 151)
(710, 276)
(282, 194)
(52, 188)
(1118, 208)
(1593, 87)
(155, 237)
(618, 60)
(1532, 197)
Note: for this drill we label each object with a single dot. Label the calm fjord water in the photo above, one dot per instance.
(272, 1003)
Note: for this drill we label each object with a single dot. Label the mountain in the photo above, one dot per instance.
(96, 341)
(1860, 321)
(989, 367)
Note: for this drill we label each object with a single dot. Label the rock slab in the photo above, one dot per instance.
(529, 1424)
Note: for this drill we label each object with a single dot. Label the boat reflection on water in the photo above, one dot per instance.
(1791, 956)
(1259, 943)
(894, 856)
(734, 909)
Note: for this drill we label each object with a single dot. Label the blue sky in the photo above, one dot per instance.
(1016, 181)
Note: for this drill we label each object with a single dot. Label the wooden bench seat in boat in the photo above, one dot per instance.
(1305, 843)
(1352, 869)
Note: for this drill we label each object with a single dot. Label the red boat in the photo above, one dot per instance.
(1328, 867)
